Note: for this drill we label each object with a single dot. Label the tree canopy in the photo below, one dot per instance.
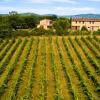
(62, 25)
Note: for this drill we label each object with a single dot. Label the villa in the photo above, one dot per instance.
(45, 23)
(92, 24)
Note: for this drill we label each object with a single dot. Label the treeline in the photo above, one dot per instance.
(14, 24)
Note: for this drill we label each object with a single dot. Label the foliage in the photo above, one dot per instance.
(13, 25)
(5, 28)
(62, 25)
(97, 32)
(51, 17)
(20, 22)
(28, 62)
(41, 31)
(13, 22)
(82, 82)
(79, 32)
(84, 28)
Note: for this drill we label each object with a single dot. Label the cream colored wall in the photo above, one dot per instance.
(44, 26)
(45, 23)
(96, 28)
(96, 25)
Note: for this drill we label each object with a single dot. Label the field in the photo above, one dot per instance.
(50, 68)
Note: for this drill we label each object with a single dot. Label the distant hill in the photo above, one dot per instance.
(3, 14)
(77, 16)
(49, 15)
(67, 16)
(84, 16)
(28, 14)
(23, 14)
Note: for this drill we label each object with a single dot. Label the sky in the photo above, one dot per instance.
(59, 7)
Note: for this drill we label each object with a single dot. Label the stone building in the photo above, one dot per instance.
(91, 24)
(45, 23)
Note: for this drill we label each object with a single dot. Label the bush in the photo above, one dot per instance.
(79, 32)
(97, 32)
(41, 31)
(62, 32)
(84, 28)
(22, 33)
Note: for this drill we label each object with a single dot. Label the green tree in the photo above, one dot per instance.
(97, 32)
(51, 17)
(5, 28)
(14, 21)
(18, 21)
(62, 25)
(84, 28)
(13, 13)
(31, 21)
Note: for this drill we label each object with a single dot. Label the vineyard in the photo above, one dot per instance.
(50, 68)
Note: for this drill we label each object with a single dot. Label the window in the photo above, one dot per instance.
(49, 26)
(50, 22)
(76, 22)
(83, 22)
(90, 22)
(79, 21)
(93, 22)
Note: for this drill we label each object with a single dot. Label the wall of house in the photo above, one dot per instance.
(90, 25)
(45, 23)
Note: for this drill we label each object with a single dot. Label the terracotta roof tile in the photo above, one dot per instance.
(86, 19)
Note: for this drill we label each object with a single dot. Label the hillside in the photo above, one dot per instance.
(84, 16)
(67, 16)
(23, 14)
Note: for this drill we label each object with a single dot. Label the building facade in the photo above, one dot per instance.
(45, 23)
(91, 24)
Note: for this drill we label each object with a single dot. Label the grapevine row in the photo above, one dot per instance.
(10, 71)
(84, 65)
(43, 74)
(4, 44)
(21, 69)
(8, 56)
(94, 43)
(28, 92)
(82, 82)
(55, 73)
(4, 52)
(91, 60)
(1, 41)
(90, 47)
(74, 96)
(97, 39)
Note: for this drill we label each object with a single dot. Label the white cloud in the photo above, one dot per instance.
(5, 0)
(66, 1)
(95, 0)
(74, 10)
(50, 1)
(7, 9)
(37, 1)
(52, 10)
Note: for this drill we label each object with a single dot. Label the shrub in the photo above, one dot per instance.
(97, 32)
(41, 31)
(79, 32)
(84, 28)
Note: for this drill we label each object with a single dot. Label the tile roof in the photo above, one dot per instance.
(86, 19)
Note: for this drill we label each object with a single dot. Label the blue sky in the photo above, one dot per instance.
(59, 7)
